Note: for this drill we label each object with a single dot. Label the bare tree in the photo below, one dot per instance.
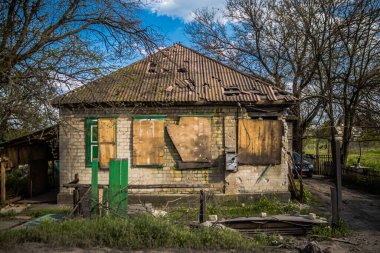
(279, 40)
(48, 46)
(350, 67)
(326, 52)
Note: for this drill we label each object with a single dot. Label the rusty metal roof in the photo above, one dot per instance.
(176, 74)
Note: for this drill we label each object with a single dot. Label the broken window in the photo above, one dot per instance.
(100, 140)
(259, 141)
(192, 138)
(148, 141)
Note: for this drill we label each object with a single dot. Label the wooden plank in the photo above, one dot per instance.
(107, 141)
(192, 138)
(259, 141)
(148, 142)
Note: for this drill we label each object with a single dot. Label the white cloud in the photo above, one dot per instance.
(183, 9)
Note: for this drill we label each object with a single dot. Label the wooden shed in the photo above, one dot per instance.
(39, 152)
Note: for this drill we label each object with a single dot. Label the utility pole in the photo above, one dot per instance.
(336, 194)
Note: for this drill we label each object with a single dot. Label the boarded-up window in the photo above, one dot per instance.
(259, 141)
(107, 141)
(192, 138)
(148, 141)
(100, 140)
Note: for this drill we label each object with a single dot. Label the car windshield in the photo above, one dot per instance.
(297, 157)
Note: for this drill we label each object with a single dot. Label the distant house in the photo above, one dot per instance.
(184, 121)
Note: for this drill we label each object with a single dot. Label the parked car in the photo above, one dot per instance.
(308, 167)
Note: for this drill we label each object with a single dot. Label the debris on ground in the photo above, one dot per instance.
(277, 224)
(312, 247)
(45, 218)
(13, 208)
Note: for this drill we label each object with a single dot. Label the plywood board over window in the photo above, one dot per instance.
(259, 141)
(192, 138)
(107, 141)
(148, 142)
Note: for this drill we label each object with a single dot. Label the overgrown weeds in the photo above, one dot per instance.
(307, 195)
(326, 232)
(8, 215)
(271, 206)
(141, 232)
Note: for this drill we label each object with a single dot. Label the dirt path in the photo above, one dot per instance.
(361, 212)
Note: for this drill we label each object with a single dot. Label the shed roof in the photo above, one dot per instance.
(176, 74)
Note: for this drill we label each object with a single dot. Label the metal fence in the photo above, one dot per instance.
(322, 165)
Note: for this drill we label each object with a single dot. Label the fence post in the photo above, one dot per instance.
(3, 176)
(338, 180)
(334, 208)
(202, 207)
(94, 187)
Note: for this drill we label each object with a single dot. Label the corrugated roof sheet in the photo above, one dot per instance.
(175, 74)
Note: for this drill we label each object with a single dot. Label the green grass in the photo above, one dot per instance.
(368, 159)
(138, 233)
(271, 206)
(8, 215)
(370, 155)
(326, 232)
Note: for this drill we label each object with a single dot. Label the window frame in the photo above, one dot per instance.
(88, 136)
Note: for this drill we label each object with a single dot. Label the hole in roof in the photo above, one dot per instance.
(181, 70)
(231, 91)
(152, 67)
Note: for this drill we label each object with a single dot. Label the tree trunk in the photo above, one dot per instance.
(297, 129)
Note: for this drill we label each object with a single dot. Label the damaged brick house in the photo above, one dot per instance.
(184, 121)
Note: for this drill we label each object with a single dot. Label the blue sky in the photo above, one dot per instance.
(169, 17)
(172, 28)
